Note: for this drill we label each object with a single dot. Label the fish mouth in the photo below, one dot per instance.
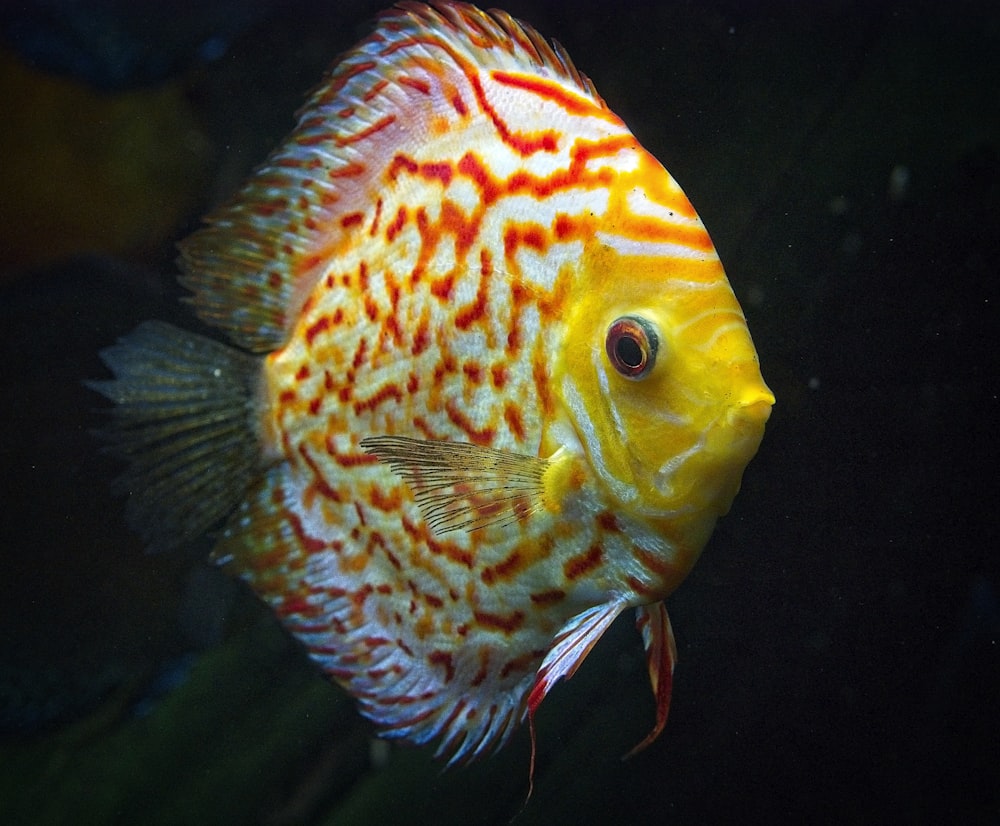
(752, 410)
(722, 451)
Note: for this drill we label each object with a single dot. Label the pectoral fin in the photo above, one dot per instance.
(461, 486)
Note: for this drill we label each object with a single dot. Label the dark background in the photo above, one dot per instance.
(839, 641)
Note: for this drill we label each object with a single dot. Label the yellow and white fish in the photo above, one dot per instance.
(490, 388)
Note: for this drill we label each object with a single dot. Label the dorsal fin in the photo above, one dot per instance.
(259, 256)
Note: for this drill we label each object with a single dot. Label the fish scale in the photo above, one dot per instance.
(505, 388)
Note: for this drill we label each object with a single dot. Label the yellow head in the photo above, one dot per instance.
(660, 378)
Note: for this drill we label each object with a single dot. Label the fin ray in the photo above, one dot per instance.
(461, 486)
(661, 657)
(182, 422)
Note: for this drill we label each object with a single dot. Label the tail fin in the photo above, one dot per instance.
(184, 421)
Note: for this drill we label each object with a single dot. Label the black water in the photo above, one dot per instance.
(839, 641)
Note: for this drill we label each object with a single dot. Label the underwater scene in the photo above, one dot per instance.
(575, 413)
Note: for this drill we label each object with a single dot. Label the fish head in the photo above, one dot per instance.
(662, 380)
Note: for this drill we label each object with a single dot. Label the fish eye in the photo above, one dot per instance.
(631, 344)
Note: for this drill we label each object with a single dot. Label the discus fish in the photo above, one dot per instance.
(490, 386)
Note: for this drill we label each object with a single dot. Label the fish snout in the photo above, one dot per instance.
(751, 410)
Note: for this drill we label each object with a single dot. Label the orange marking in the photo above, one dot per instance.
(385, 502)
(644, 228)
(464, 228)
(448, 550)
(473, 372)
(393, 229)
(607, 522)
(401, 162)
(319, 326)
(476, 311)
(268, 208)
(310, 262)
(443, 659)
(639, 586)
(421, 86)
(349, 460)
(484, 671)
(377, 87)
(522, 143)
(384, 394)
(422, 337)
(471, 167)
(505, 570)
(523, 663)
(654, 564)
(549, 90)
(348, 170)
(437, 172)
(540, 375)
(529, 235)
(293, 604)
(508, 623)
(318, 485)
(344, 74)
(352, 219)
(550, 597)
(512, 416)
(575, 567)
(478, 436)
(378, 126)
(307, 543)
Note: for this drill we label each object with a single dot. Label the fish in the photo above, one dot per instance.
(486, 385)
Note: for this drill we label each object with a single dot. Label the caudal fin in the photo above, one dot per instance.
(184, 423)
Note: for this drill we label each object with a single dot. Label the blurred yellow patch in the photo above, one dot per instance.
(92, 172)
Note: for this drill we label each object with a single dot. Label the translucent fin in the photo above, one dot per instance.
(492, 36)
(182, 421)
(460, 486)
(569, 648)
(661, 656)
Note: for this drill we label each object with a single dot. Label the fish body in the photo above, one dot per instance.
(502, 390)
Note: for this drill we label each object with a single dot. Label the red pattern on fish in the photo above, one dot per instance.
(507, 388)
